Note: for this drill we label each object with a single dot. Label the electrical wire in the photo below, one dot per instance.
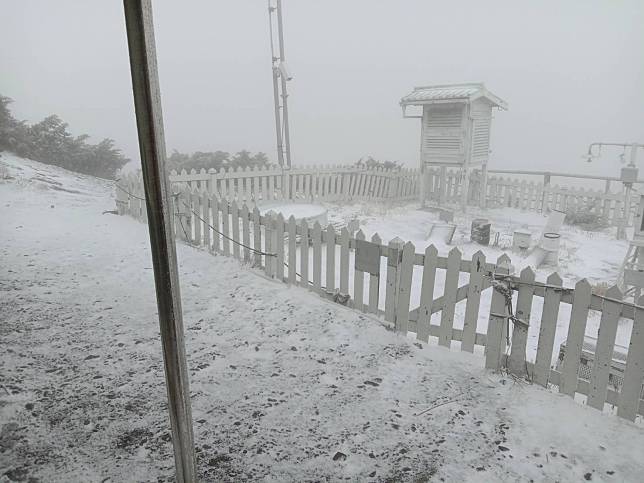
(258, 252)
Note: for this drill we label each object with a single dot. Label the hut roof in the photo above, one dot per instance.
(451, 93)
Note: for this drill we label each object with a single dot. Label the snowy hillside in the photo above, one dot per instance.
(285, 386)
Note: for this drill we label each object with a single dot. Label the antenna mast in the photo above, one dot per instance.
(281, 75)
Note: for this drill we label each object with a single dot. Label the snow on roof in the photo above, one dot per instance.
(458, 92)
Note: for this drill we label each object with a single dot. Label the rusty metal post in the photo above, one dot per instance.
(149, 120)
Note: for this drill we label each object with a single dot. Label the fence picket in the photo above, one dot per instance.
(205, 202)
(196, 214)
(427, 293)
(547, 329)
(475, 285)
(517, 360)
(245, 231)
(234, 212)
(214, 204)
(317, 257)
(269, 260)
(225, 227)
(391, 289)
(495, 338)
(404, 288)
(374, 282)
(599, 378)
(292, 250)
(279, 247)
(344, 261)
(330, 259)
(629, 397)
(304, 254)
(358, 280)
(575, 340)
(449, 297)
(257, 238)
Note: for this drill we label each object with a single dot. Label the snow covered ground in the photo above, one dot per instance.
(595, 256)
(285, 386)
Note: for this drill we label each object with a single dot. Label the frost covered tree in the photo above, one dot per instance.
(50, 142)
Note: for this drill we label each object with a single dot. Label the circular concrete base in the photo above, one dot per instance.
(300, 211)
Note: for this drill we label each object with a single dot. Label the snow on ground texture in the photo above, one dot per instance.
(285, 386)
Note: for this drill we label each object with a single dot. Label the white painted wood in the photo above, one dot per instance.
(279, 247)
(257, 238)
(304, 254)
(225, 228)
(330, 259)
(344, 261)
(604, 349)
(404, 288)
(216, 245)
(234, 212)
(449, 296)
(427, 293)
(358, 281)
(575, 340)
(495, 341)
(475, 286)
(317, 257)
(374, 282)
(547, 329)
(196, 214)
(292, 250)
(245, 231)
(269, 237)
(394, 254)
(205, 203)
(523, 311)
(629, 397)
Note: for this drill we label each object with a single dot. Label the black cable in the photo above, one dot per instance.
(258, 252)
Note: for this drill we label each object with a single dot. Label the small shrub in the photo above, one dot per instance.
(585, 220)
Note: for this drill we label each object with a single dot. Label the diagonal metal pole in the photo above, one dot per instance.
(149, 120)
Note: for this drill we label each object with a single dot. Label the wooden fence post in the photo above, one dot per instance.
(374, 282)
(496, 338)
(184, 218)
(546, 193)
(517, 361)
(403, 294)
(547, 328)
(393, 268)
(629, 396)
(269, 261)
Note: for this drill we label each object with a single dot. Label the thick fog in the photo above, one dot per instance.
(572, 73)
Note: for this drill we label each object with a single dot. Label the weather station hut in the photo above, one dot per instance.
(456, 121)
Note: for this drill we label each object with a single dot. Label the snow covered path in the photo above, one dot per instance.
(285, 386)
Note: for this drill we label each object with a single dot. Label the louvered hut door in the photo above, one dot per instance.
(443, 138)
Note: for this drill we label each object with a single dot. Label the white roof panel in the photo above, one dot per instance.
(456, 92)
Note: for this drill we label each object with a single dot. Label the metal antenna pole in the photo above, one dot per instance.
(149, 123)
(280, 34)
(276, 94)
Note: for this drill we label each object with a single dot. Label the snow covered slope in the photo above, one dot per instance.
(285, 386)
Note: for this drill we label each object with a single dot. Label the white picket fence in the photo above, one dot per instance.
(380, 279)
(353, 183)
(514, 192)
(321, 183)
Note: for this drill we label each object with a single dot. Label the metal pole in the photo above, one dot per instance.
(276, 94)
(280, 34)
(278, 121)
(149, 120)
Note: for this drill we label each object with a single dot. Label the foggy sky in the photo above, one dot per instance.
(572, 73)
